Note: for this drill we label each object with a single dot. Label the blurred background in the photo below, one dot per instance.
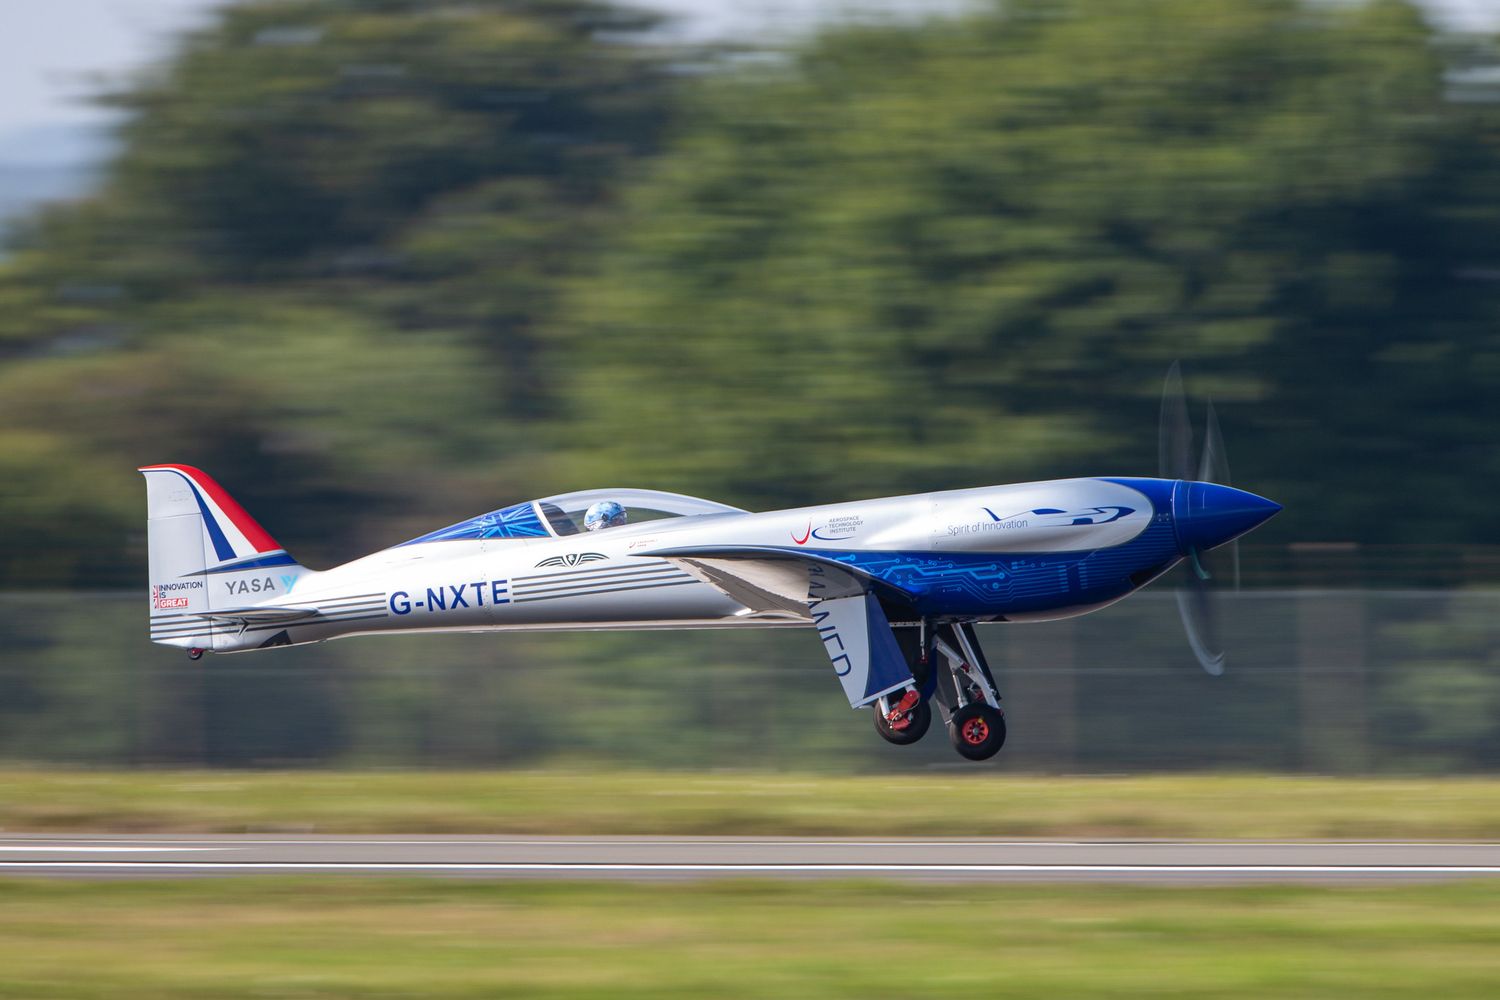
(378, 265)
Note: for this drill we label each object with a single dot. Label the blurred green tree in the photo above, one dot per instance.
(384, 263)
(316, 268)
(908, 258)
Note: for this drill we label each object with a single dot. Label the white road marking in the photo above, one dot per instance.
(235, 841)
(689, 868)
(99, 849)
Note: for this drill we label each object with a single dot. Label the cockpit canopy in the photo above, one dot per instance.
(553, 517)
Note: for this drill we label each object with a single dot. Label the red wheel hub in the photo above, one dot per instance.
(975, 732)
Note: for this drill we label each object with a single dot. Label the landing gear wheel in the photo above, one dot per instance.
(921, 718)
(977, 731)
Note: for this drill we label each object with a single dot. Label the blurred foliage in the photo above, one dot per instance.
(1448, 703)
(909, 259)
(317, 269)
(377, 265)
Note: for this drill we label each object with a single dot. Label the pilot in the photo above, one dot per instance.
(604, 514)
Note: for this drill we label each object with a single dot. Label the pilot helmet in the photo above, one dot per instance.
(604, 514)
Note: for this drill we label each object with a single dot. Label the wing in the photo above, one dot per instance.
(764, 586)
(771, 581)
(839, 600)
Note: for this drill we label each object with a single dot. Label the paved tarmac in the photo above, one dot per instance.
(652, 858)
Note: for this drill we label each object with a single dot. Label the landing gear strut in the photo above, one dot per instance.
(965, 692)
(976, 723)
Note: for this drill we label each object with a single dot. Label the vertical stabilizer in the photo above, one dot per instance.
(206, 554)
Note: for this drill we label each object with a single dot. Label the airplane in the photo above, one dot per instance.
(893, 586)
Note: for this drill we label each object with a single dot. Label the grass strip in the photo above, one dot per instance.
(635, 802)
(314, 938)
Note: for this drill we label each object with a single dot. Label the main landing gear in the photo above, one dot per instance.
(977, 731)
(965, 692)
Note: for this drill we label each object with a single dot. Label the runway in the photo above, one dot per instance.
(654, 858)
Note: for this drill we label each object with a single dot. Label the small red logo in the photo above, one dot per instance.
(805, 535)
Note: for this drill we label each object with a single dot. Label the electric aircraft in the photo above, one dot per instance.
(892, 586)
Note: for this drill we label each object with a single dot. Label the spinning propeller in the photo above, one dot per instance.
(1210, 515)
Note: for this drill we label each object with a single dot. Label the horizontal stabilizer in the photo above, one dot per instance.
(263, 616)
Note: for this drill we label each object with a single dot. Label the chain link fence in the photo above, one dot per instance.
(1334, 681)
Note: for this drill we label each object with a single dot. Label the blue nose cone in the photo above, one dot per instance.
(1208, 514)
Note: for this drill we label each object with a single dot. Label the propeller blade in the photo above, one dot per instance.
(1195, 606)
(1174, 436)
(1214, 468)
(1214, 465)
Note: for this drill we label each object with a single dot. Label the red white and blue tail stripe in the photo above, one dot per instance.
(233, 540)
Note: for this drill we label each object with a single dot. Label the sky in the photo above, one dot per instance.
(53, 53)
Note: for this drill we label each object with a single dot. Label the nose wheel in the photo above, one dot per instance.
(905, 722)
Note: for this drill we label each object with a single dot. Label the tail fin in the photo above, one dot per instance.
(206, 554)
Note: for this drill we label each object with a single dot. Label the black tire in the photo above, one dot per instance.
(921, 719)
(977, 731)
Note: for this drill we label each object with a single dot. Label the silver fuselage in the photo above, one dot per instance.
(973, 554)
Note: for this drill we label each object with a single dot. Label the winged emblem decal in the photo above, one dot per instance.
(572, 559)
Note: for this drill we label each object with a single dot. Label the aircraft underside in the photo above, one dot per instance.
(922, 664)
